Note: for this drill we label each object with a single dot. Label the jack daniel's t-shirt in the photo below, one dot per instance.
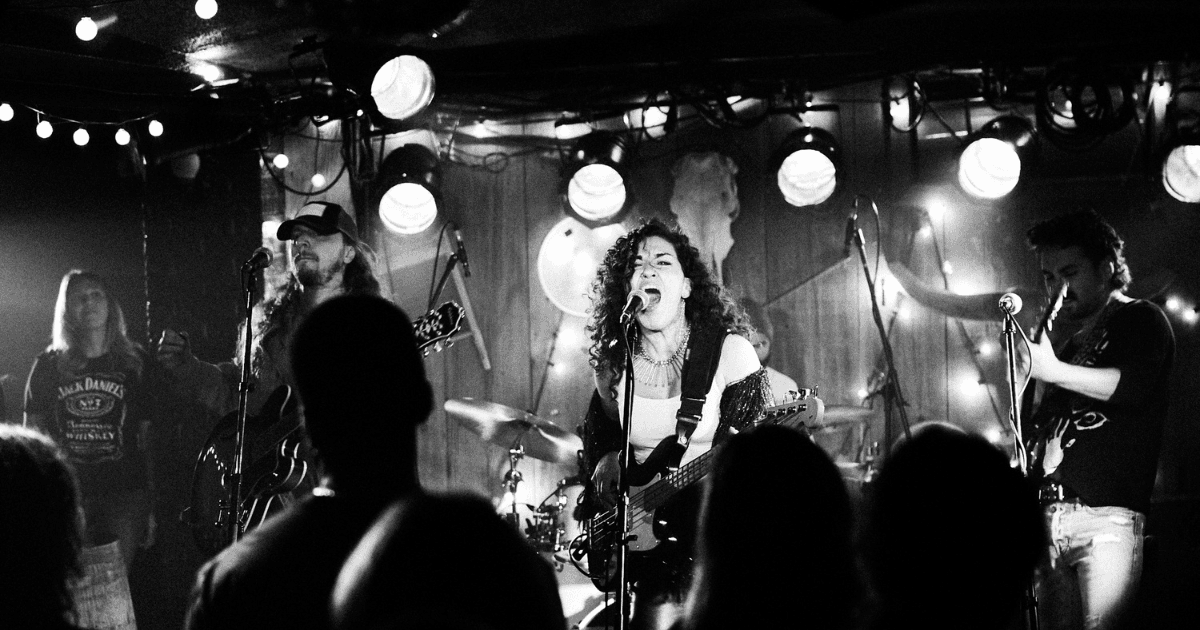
(94, 415)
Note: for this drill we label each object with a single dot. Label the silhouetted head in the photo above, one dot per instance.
(362, 383)
(775, 545)
(40, 530)
(955, 532)
(445, 562)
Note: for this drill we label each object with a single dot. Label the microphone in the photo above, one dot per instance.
(851, 225)
(1010, 303)
(638, 299)
(259, 259)
(462, 252)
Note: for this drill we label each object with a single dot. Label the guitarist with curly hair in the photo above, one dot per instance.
(682, 308)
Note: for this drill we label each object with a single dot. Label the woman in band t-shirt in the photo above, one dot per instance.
(86, 392)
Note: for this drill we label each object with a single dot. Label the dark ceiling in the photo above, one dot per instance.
(525, 56)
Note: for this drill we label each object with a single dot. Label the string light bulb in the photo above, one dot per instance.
(280, 160)
(122, 136)
(86, 29)
(81, 136)
(318, 180)
(6, 112)
(206, 9)
(45, 129)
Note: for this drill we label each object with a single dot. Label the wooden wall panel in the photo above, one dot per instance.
(788, 259)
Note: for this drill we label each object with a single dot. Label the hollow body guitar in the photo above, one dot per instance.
(649, 502)
(275, 461)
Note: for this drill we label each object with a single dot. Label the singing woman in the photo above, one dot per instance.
(682, 303)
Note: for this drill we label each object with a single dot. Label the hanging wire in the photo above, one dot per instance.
(436, 256)
(305, 193)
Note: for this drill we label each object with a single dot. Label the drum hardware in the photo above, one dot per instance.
(512, 479)
(546, 530)
(870, 458)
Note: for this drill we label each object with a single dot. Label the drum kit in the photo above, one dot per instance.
(842, 433)
(525, 434)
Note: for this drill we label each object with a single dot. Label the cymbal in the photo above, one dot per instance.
(508, 427)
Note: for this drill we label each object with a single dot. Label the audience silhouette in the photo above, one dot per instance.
(954, 535)
(447, 562)
(41, 532)
(362, 385)
(775, 546)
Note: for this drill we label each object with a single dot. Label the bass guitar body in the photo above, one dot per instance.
(664, 507)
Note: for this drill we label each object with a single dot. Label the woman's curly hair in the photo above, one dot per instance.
(708, 307)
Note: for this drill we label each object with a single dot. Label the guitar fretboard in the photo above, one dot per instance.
(653, 496)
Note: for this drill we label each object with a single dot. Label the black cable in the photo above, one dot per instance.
(437, 253)
(267, 164)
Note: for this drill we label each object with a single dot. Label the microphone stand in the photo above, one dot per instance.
(245, 386)
(623, 485)
(450, 262)
(1014, 416)
(892, 394)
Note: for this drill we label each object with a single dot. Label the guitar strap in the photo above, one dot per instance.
(699, 367)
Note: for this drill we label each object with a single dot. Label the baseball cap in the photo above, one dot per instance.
(322, 217)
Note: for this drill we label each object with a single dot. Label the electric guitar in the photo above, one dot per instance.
(274, 463)
(646, 503)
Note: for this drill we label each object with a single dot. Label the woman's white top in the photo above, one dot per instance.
(654, 418)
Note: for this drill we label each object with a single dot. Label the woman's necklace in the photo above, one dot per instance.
(654, 373)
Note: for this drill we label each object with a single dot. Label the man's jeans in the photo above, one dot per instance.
(1091, 574)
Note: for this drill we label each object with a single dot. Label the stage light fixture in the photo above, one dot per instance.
(1181, 172)
(86, 29)
(905, 103)
(403, 87)
(408, 188)
(594, 180)
(1181, 164)
(657, 118)
(206, 9)
(991, 164)
(806, 165)
(571, 127)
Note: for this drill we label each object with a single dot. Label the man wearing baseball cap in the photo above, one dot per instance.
(326, 260)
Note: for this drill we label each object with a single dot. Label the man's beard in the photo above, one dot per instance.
(311, 276)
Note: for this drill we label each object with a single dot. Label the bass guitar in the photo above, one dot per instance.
(274, 459)
(649, 502)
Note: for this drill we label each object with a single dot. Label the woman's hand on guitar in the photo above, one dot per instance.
(606, 479)
(173, 349)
